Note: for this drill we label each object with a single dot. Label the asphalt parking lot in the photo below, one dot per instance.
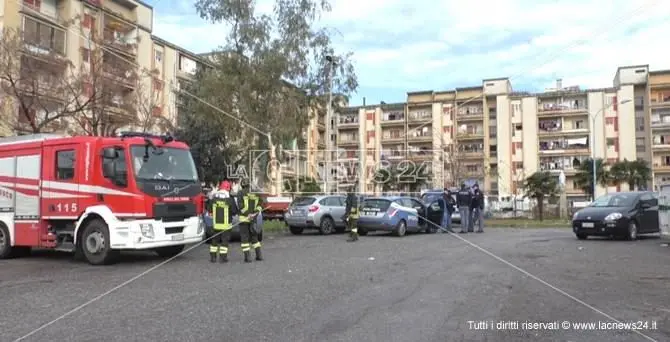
(382, 288)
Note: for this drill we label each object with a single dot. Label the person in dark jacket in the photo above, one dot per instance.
(464, 199)
(477, 209)
(449, 203)
(351, 214)
(250, 206)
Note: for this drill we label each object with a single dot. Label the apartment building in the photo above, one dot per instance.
(498, 137)
(63, 28)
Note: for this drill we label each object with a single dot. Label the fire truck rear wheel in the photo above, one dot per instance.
(5, 243)
(95, 243)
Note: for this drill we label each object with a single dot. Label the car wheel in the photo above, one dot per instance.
(582, 236)
(5, 242)
(632, 231)
(295, 230)
(326, 227)
(169, 251)
(95, 244)
(401, 229)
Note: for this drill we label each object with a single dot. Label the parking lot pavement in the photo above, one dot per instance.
(320, 288)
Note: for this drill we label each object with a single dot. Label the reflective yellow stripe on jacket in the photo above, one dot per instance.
(221, 223)
(246, 208)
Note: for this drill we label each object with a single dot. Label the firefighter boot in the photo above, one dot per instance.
(259, 256)
(223, 258)
(247, 256)
(353, 236)
(212, 257)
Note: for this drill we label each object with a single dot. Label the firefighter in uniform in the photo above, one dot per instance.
(351, 214)
(224, 208)
(250, 206)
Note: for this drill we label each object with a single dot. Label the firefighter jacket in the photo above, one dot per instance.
(352, 206)
(223, 210)
(249, 204)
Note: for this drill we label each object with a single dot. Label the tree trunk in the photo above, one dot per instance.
(540, 207)
(631, 185)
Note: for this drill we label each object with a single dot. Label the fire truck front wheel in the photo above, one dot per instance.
(5, 243)
(95, 243)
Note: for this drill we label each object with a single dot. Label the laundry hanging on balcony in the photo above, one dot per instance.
(578, 142)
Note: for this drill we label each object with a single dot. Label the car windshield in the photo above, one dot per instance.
(303, 201)
(614, 200)
(163, 163)
(376, 204)
(430, 197)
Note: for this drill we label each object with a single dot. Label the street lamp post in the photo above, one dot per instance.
(593, 143)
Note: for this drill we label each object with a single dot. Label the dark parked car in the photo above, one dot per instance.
(621, 214)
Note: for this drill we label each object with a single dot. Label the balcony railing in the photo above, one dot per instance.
(564, 145)
(420, 116)
(125, 76)
(43, 39)
(420, 135)
(470, 111)
(347, 120)
(660, 100)
(347, 140)
(126, 42)
(46, 11)
(558, 107)
(393, 117)
(393, 135)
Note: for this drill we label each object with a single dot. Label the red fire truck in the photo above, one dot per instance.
(96, 196)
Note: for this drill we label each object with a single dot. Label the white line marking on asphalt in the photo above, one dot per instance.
(98, 297)
(481, 249)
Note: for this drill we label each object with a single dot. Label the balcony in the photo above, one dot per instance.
(574, 146)
(347, 121)
(119, 70)
(471, 151)
(554, 128)
(420, 116)
(393, 154)
(47, 42)
(425, 134)
(120, 35)
(121, 104)
(348, 155)
(347, 140)
(555, 106)
(568, 165)
(321, 123)
(420, 154)
(661, 164)
(660, 99)
(470, 133)
(468, 113)
(660, 142)
(396, 118)
(44, 9)
(393, 135)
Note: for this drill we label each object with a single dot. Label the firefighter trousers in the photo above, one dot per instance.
(249, 237)
(220, 241)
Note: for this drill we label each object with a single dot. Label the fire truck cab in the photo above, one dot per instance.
(96, 196)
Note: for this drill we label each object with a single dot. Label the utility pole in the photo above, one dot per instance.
(329, 126)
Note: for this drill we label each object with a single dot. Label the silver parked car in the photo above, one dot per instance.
(322, 212)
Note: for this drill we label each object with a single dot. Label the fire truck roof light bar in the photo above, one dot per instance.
(165, 138)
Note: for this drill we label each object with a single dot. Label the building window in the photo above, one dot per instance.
(579, 124)
(639, 124)
(639, 102)
(159, 56)
(85, 55)
(640, 144)
(610, 141)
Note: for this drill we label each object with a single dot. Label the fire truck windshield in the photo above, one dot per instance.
(163, 164)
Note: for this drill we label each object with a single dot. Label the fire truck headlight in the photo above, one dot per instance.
(147, 230)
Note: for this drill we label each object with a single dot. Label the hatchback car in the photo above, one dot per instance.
(323, 213)
(621, 214)
(397, 214)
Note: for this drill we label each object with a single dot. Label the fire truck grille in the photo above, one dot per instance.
(174, 230)
(172, 212)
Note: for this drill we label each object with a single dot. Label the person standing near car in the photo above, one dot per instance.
(464, 199)
(351, 214)
(250, 206)
(477, 209)
(448, 209)
(223, 210)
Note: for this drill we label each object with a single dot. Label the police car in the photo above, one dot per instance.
(397, 214)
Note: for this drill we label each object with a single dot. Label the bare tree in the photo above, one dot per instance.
(153, 115)
(40, 90)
